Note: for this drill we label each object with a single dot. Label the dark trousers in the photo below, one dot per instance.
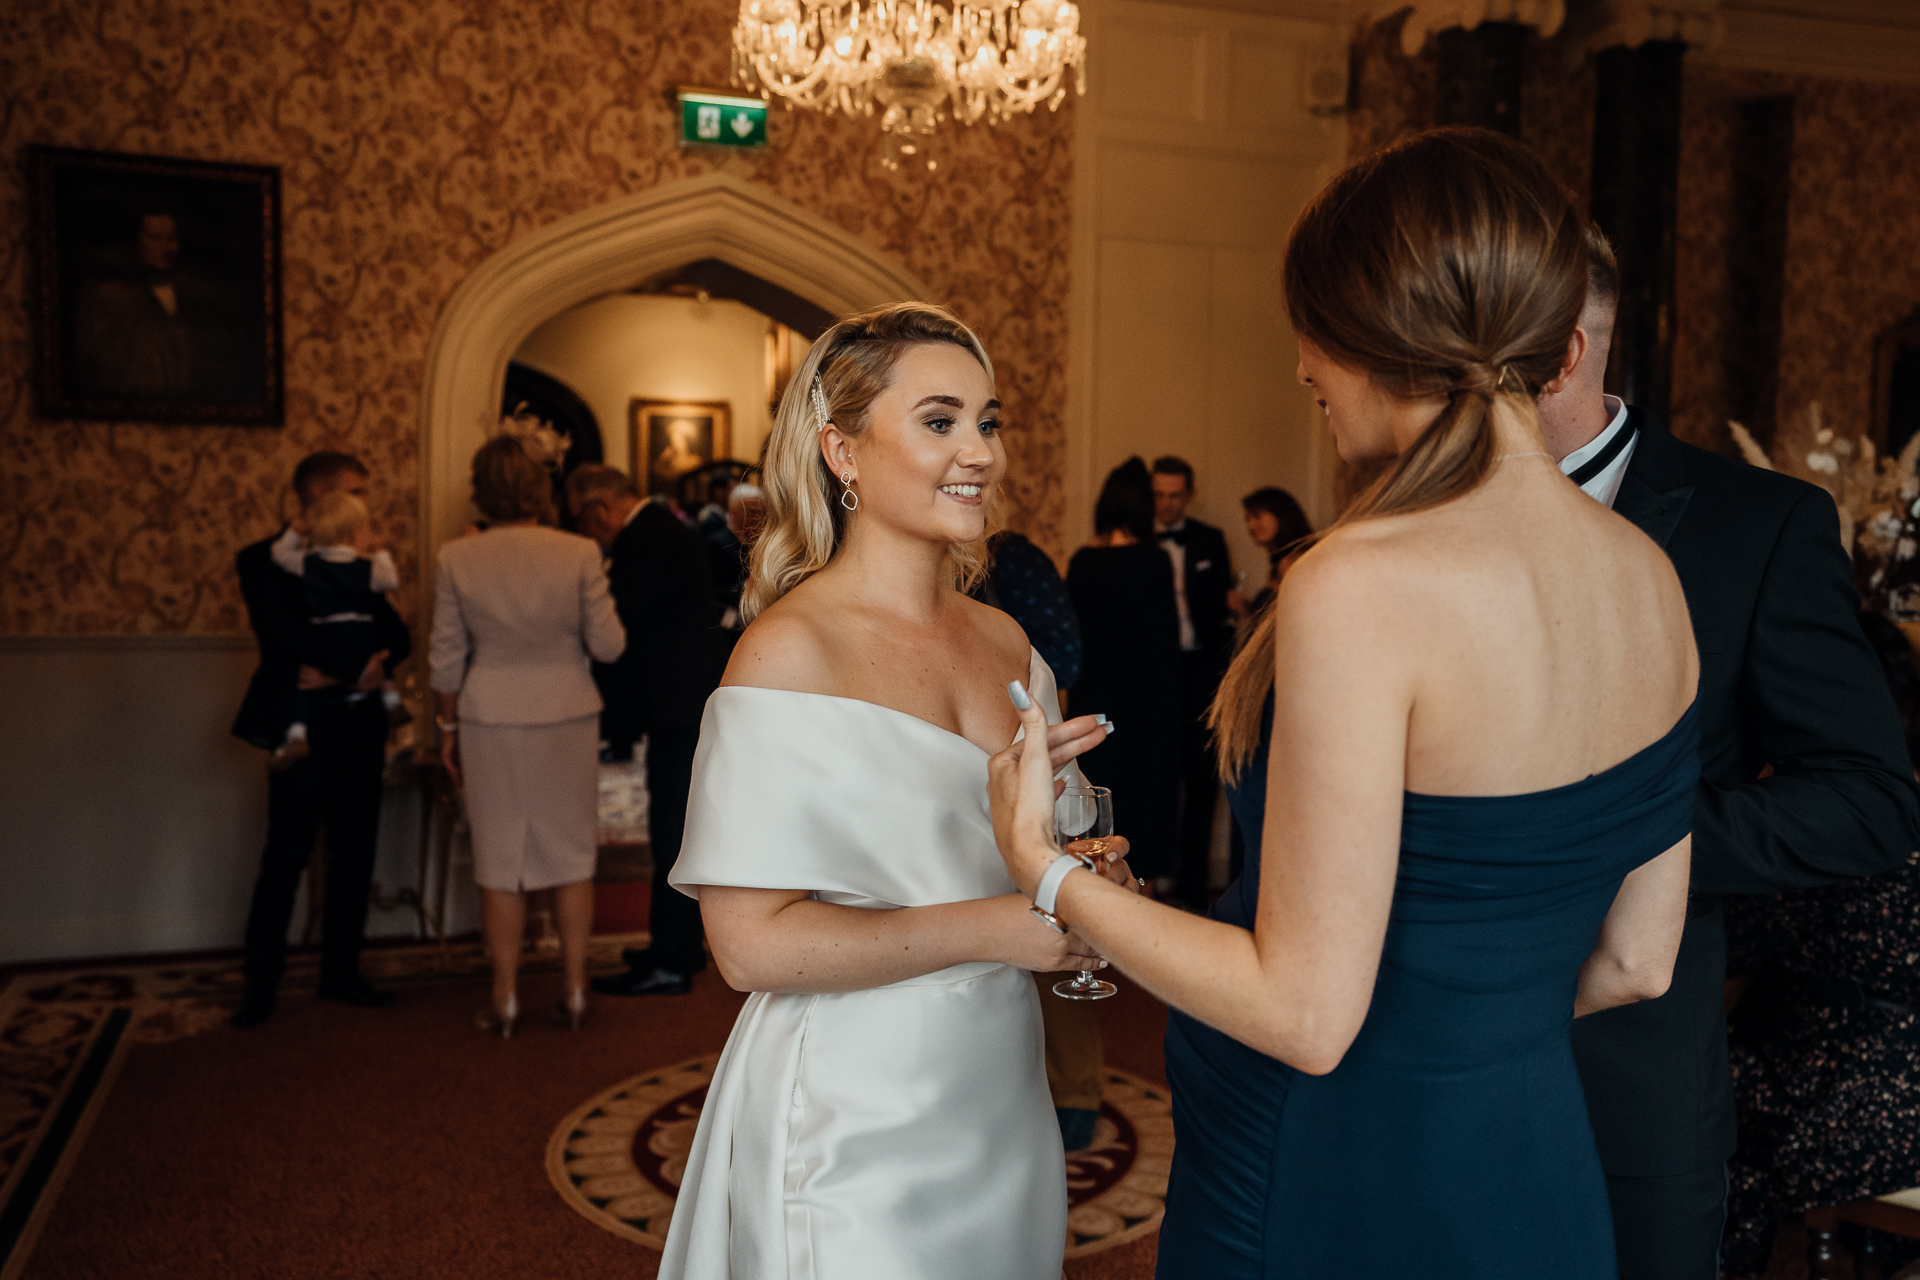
(1199, 776)
(674, 918)
(1668, 1228)
(337, 786)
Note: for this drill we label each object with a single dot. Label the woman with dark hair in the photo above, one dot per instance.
(1122, 589)
(519, 608)
(1465, 736)
(1276, 523)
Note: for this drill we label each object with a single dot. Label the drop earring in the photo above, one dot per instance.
(849, 500)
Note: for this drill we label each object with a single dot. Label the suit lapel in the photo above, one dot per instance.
(1654, 492)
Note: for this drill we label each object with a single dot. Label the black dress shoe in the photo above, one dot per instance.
(357, 992)
(255, 1008)
(643, 982)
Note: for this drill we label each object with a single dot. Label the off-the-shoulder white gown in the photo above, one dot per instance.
(898, 1133)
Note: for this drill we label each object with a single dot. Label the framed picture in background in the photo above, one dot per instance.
(668, 438)
(156, 288)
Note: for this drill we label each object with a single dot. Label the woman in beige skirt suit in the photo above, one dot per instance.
(518, 610)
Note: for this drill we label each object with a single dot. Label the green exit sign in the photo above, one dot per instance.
(709, 119)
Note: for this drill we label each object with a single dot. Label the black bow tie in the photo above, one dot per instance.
(1175, 535)
(1598, 462)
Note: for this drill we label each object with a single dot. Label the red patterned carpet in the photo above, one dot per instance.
(339, 1142)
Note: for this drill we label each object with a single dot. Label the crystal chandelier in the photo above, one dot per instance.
(921, 60)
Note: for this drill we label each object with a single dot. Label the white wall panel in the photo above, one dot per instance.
(1156, 192)
(1263, 83)
(1262, 428)
(1180, 340)
(133, 820)
(1149, 71)
(1151, 373)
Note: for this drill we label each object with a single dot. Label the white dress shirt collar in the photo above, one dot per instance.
(1604, 487)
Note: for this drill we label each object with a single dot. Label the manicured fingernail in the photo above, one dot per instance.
(1019, 696)
(1099, 719)
(1112, 729)
(1103, 964)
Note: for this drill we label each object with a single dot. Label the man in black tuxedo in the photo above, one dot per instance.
(1787, 682)
(338, 784)
(1202, 577)
(674, 658)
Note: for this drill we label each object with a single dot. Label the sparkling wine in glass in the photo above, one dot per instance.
(1083, 813)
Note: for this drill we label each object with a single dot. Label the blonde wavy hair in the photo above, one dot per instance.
(851, 364)
(1450, 264)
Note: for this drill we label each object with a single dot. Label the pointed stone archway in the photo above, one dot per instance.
(596, 251)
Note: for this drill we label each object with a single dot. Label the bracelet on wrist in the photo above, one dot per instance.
(1048, 919)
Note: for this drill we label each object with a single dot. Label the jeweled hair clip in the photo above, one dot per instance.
(821, 415)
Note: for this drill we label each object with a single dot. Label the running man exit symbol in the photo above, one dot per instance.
(713, 118)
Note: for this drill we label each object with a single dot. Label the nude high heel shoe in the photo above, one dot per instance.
(499, 1020)
(572, 1011)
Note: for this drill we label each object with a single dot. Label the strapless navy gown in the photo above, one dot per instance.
(1452, 1141)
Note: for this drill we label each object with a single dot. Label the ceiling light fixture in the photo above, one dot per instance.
(923, 61)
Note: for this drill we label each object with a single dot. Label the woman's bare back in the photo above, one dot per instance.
(1548, 638)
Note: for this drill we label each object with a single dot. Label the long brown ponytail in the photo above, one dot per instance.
(1449, 264)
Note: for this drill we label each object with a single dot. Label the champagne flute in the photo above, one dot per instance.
(1083, 813)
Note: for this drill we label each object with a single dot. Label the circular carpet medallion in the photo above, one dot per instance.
(618, 1159)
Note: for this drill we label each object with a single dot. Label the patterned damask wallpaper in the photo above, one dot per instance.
(1853, 214)
(1853, 225)
(416, 139)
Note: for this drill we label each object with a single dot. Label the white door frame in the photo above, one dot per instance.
(599, 250)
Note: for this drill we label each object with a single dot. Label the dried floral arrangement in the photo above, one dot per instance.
(1878, 498)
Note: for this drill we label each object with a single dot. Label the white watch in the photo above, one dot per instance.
(1048, 891)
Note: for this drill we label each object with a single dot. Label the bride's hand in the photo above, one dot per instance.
(1025, 942)
(1111, 854)
(1021, 787)
(1071, 738)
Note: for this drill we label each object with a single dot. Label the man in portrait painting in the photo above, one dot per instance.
(160, 330)
(156, 288)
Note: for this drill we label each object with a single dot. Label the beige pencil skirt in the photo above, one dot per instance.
(533, 799)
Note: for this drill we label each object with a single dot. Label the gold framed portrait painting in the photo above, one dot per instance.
(157, 288)
(668, 438)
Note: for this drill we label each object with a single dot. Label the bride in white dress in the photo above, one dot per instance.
(881, 1109)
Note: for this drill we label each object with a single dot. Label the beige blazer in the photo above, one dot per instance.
(516, 613)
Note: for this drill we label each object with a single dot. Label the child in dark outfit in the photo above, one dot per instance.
(340, 571)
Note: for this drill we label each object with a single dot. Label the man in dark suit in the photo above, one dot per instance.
(338, 783)
(1787, 683)
(659, 687)
(1202, 577)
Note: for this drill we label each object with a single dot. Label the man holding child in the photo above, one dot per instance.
(336, 782)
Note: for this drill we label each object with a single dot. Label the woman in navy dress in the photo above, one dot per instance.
(1464, 739)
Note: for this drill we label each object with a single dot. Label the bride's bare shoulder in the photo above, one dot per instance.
(786, 647)
(995, 628)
